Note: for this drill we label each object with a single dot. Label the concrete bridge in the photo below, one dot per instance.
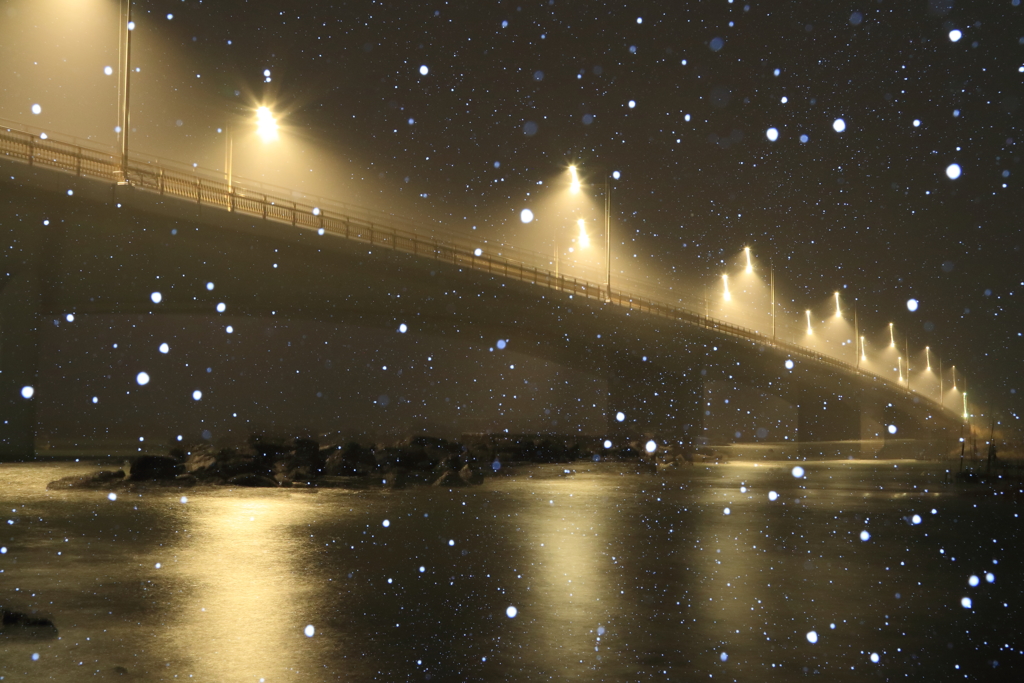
(659, 370)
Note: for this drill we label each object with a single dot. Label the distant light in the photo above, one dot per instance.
(911, 305)
(584, 238)
(108, 70)
(953, 171)
(620, 416)
(773, 134)
(221, 307)
(812, 637)
(526, 216)
(839, 125)
(164, 348)
(309, 631)
(798, 472)
(156, 297)
(955, 35)
(197, 395)
(511, 612)
(36, 109)
(424, 70)
(28, 391)
(402, 328)
(142, 378)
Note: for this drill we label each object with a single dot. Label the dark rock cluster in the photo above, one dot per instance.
(267, 461)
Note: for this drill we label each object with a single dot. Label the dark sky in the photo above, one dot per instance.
(677, 97)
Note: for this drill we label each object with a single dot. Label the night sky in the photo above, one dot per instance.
(455, 111)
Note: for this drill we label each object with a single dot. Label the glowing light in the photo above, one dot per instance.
(953, 171)
(526, 216)
(266, 124)
(839, 125)
(928, 358)
(899, 366)
(28, 392)
(156, 297)
(863, 353)
(310, 631)
(812, 637)
(965, 405)
(798, 472)
(892, 339)
(650, 446)
(772, 134)
(809, 330)
(511, 612)
(955, 35)
(750, 266)
(911, 305)
(584, 238)
(142, 378)
(839, 313)
(725, 284)
(197, 395)
(36, 109)
(574, 185)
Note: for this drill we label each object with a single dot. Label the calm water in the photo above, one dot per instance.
(614, 576)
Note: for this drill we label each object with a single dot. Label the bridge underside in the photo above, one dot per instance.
(315, 342)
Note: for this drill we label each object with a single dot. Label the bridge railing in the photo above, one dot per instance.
(38, 150)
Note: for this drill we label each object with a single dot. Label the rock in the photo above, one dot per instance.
(20, 625)
(154, 467)
(450, 479)
(250, 479)
(99, 480)
(470, 476)
(352, 460)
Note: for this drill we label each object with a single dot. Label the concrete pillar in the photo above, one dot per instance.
(654, 400)
(20, 300)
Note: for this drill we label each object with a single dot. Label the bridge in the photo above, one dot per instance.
(660, 369)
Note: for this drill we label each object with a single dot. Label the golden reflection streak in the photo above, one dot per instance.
(244, 561)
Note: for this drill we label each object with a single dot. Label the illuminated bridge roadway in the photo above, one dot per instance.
(666, 369)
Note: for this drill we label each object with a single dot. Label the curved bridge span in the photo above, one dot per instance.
(662, 369)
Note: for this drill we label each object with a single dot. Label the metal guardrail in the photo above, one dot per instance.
(37, 150)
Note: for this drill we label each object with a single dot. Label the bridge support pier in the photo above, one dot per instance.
(654, 401)
(20, 302)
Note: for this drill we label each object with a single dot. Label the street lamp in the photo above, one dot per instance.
(750, 266)
(809, 330)
(124, 121)
(266, 128)
(725, 288)
(574, 188)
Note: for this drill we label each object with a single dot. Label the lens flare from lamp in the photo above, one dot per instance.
(584, 237)
(809, 330)
(750, 266)
(965, 405)
(574, 186)
(863, 353)
(928, 358)
(839, 312)
(266, 124)
(892, 340)
(725, 285)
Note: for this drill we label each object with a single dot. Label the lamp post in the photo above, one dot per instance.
(124, 121)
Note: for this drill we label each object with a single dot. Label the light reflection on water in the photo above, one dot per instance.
(614, 576)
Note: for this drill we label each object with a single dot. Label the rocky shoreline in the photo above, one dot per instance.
(301, 462)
